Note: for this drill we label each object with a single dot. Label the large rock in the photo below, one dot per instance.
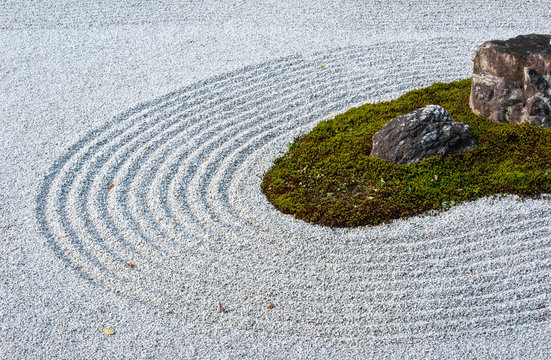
(421, 134)
(512, 80)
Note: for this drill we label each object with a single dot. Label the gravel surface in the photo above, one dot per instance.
(134, 139)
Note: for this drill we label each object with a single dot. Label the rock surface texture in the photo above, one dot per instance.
(421, 134)
(512, 80)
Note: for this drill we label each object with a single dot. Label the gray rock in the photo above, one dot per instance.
(512, 80)
(421, 134)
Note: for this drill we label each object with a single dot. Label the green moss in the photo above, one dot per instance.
(327, 177)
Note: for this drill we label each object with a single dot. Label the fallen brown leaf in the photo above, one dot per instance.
(271, 306)
(221, 308)
(111, 186)
(132, 265)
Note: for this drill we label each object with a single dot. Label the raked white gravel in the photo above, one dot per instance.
(183, 108)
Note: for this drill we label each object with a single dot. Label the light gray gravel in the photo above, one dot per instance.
(183, 108)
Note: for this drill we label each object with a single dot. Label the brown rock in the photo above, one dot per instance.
(512, 80)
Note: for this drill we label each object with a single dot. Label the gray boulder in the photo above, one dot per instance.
(421, 134)
(512, 80)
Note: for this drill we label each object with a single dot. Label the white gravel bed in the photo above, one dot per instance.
(182, 108)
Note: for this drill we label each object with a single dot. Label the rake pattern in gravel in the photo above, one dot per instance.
(185, 226)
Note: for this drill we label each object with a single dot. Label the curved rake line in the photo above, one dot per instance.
(206, 190)
(45, 187)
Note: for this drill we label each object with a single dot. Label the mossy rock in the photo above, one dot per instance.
(328, 178)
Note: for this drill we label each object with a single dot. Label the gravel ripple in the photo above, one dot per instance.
(208, 94)
(187, 211)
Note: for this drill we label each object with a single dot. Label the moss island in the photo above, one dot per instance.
(328, 178)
